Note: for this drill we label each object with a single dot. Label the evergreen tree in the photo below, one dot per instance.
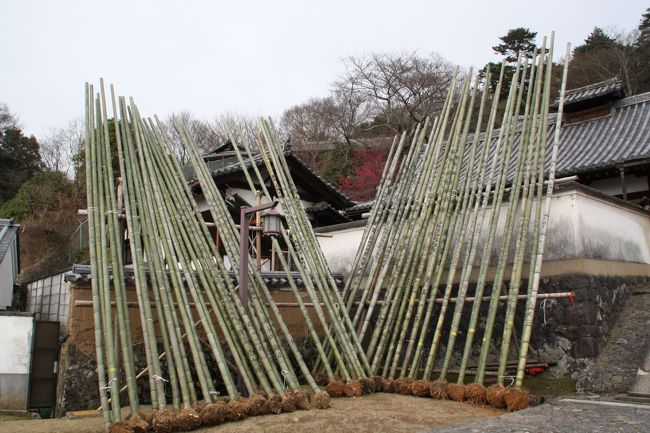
(597, 40)
(643, 40)
(19, 161)
(517, 41)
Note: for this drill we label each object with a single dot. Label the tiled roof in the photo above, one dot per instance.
(608, 89)
(590, 145)
(600, 143)
(359, 208)
(218, 170)
(80, 273)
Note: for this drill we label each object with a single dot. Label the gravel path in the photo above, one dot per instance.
(564, 416)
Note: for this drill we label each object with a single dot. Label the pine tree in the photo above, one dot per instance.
(597, 40)
(517, 41)
(643, 40)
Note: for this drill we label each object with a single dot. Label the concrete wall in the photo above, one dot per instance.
(584, 225)
(15, 360)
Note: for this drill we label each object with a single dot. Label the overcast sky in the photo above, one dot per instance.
(255, 57)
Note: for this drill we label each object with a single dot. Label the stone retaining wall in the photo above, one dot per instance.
(569, 335)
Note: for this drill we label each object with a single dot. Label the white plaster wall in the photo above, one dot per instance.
(612, 232)
(16, 344)
(581, 225)
(340, 249)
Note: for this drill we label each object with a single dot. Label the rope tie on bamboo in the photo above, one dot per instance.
(542, 305)
(94, 208)
(160, 378)
(511, 378)
(107, 387)
(285, 374)
(113, 211)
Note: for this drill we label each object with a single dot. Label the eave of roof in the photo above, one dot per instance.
(80, 273)
(337, 197)
(595, 93)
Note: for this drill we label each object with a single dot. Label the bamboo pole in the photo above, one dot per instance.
(533, 288)
(527, 193)
(95, 255)
(508, 231)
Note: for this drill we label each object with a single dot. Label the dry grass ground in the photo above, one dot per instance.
(369, 414)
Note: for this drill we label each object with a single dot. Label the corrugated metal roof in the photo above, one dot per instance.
(8, 232)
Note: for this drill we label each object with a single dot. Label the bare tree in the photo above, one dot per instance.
(202, 132)
(242, 127)
(402, 89)
(61, 146)
(308, 128)
(315, 125)
(613, 54)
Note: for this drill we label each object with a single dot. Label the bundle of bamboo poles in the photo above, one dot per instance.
(433, 230)
(432, 235)
(190, 311)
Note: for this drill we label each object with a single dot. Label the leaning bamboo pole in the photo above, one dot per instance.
(467, 225)
(527, 194)
(105, 295)
(94, 241)
(305, 239)
(178, 364)
(508, 231)
(149, 338)
(258, 284)
(410, 227)
(115, 251)
(450, 198)
(212, 282)
(533, 288)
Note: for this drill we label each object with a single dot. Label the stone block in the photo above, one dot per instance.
(590, 330)
(568, 331)
(586, 347)
(583, 313)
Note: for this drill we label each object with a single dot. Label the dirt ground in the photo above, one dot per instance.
(369, 414)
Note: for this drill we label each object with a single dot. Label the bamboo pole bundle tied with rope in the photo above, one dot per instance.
(459, 203)
(462, 201)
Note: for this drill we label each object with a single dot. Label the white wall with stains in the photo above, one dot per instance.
(15, 360)
(583, 224)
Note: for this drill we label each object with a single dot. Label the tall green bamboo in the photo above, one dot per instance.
(95, 255)
(536, 267)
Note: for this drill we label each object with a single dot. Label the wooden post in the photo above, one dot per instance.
(621, 170)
